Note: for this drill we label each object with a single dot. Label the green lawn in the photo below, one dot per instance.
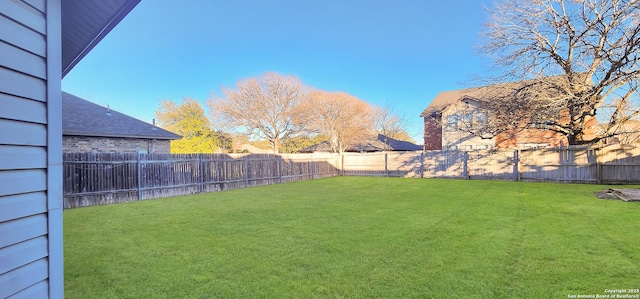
(354, 237)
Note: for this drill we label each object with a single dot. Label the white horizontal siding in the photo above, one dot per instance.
(18, 59)
(16, 108)
(22, 85)
(22, 181)
(22, 37)
(22, 205)
(37, 4)
(22, 157)
(24, 14)
(22, 229)
(25, 215)
(13, 257)
(38, 290)
(22, 133)
(22, 278)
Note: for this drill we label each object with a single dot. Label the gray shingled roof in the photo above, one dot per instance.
(83, 118)
(380, 143)
(399, 145)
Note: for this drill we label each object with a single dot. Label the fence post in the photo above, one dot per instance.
(224, 177)
(342, 164)
(386, 164)
(312, 167)
(465, 165)
(422, 165)
(599, 174)
(246, 171)
(201, 172)
(138, 176)
(280, 167)
(516, 164)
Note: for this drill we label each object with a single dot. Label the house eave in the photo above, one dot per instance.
(87, 40)
(120, 136)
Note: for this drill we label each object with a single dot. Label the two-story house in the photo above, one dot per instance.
(464, 120)
(449, 117)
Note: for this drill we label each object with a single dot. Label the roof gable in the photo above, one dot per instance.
(83, 118)
(446, 98)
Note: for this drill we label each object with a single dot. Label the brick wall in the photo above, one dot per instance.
(524, 138)
(432, 133)
(79, 144)
(531, 137)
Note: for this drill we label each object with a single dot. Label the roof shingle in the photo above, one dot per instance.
(83, 118)
(446, 98)
(373, 143)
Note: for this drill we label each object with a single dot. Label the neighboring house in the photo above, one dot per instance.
(40, 42)
(88, 127)
(373, 143)
(248, 148)
(448, 113)
(451, 114)
(628, 133)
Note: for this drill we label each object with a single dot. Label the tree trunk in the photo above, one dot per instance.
(578, 140)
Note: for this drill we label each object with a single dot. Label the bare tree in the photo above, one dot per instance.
(577, 57)
(390, 124)
(344, 119)
(267, 107)
(489, 111)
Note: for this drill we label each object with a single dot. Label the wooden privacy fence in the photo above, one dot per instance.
(94, 179)
(614, 164)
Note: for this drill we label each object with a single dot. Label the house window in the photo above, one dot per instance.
(452, 122)
(481, 118)
(540, 123)
(467, 119)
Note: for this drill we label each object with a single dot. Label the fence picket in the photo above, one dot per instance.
(92, 179)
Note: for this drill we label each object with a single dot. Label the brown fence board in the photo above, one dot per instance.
(91, 179)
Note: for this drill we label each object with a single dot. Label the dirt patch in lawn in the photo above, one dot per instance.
(623, 194)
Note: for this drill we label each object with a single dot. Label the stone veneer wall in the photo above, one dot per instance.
(84, 144)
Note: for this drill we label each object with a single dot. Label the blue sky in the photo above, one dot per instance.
(400, 53)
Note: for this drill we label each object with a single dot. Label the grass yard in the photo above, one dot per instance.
(354, 237)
